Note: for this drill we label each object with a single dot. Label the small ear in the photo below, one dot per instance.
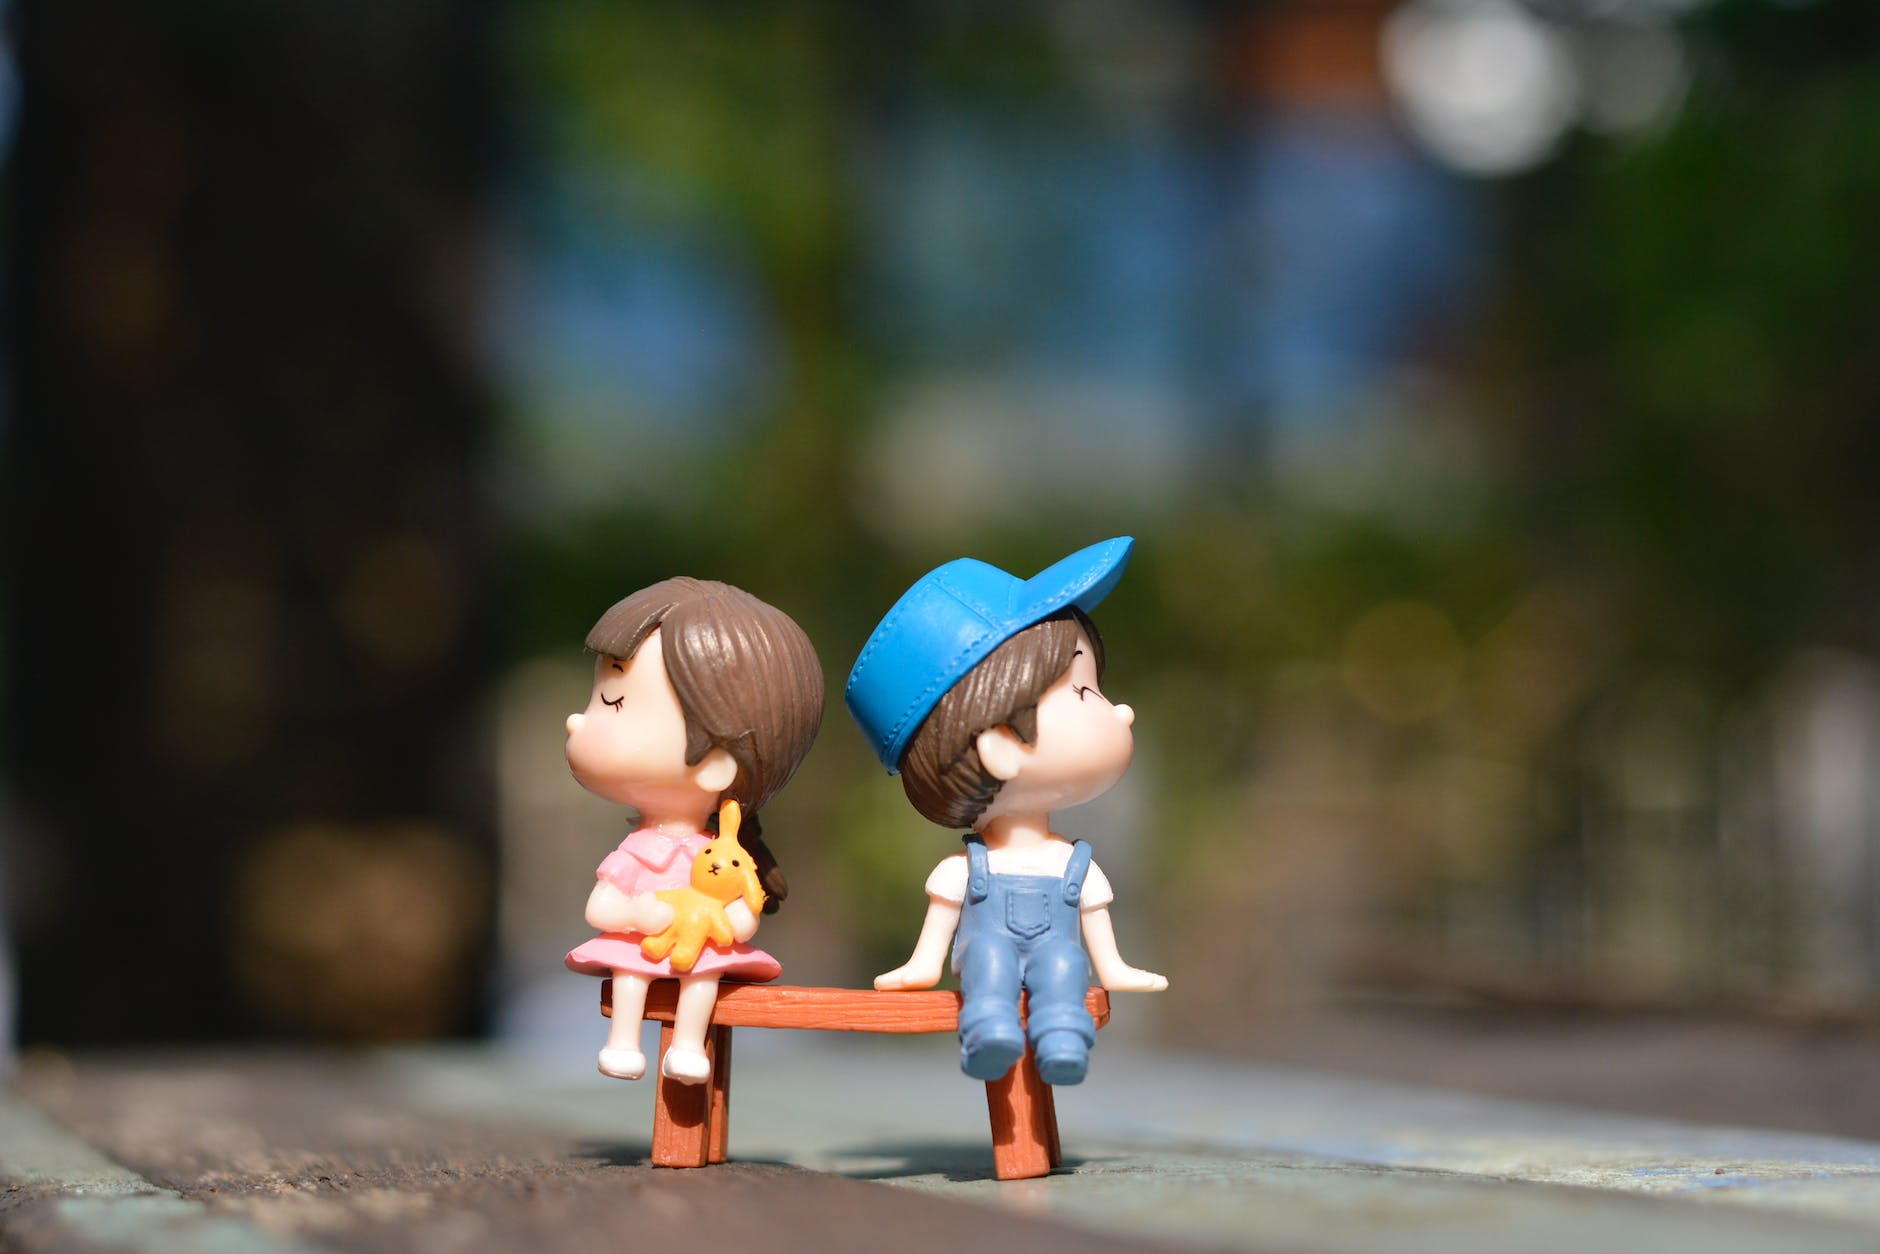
(1001, 752)
(715, 771)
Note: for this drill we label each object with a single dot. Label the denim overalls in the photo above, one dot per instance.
(1023, 931)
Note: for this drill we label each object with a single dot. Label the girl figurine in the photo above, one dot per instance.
(980, 690)
(703, 694)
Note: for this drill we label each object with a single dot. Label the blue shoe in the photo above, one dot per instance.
(1063, 1057)
(989, 1052)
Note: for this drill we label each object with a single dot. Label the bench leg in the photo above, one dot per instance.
(1024, 1123)
(1047, 1099)
(682, 1113)
(720, 1114)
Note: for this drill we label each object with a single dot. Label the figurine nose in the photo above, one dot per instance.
(574, 723)
(1126, 714)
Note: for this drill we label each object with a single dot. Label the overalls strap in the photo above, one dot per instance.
(1074, 872)
(978, 874)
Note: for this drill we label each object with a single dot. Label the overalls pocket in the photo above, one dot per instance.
(1027, 913)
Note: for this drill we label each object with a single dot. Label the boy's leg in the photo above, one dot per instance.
(990, 1037)
(1057, 976)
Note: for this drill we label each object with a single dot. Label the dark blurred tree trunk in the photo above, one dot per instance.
(241, 520)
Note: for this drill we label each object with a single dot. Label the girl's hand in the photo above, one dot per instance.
(913, 974)
(743, 922)
(610, 910)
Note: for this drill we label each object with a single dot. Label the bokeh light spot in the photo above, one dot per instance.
(1485, 85)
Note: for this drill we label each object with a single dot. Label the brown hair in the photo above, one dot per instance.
(747, 680)
(941, 770)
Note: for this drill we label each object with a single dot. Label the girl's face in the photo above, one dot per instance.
(1083, 745)
(629, 744)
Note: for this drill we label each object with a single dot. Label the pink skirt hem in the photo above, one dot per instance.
(619, 951)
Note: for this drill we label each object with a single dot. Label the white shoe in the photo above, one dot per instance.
(622, 1064)
(687, 1066)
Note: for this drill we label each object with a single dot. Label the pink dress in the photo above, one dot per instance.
(646, 862)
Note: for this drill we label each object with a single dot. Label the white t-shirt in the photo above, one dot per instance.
(948, 881)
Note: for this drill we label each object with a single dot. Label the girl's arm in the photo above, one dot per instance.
(923, 967)
(1112, 972)
(610, 910)
(743, 922)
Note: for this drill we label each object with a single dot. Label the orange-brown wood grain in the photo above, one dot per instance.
(691, 1122)
(827, 1009)
(718, 1116)
(682, 1123)
(1024, 1123)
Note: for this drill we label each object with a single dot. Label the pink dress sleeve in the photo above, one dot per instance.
(622, 870)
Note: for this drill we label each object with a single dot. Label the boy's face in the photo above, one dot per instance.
(1082, 748)
(629, 744)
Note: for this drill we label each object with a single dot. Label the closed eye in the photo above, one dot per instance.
(617, 702)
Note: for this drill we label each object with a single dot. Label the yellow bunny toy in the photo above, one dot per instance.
(723, 872)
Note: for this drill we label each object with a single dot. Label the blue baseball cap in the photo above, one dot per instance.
(949, 621)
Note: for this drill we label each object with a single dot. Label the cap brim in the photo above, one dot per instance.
(1083, 579)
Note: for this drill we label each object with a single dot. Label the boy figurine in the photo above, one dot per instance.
(980, 690)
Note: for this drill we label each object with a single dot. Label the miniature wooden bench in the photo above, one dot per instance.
(691, 1121)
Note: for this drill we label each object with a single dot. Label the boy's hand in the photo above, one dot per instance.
(911, 975)
(1132, 980)
(1112, 972)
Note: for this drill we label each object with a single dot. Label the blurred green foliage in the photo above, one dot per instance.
(1664, 465)
(1698, 355)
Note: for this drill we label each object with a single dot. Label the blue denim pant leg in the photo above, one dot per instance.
(991, 1039)
(1057, 975)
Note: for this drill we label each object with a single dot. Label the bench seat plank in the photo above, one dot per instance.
(827, 1009)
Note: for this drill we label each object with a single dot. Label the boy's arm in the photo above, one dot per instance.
(1112, 972)
(923, 967)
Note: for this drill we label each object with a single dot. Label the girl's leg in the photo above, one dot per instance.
(685, 1059)
(621, 1057)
